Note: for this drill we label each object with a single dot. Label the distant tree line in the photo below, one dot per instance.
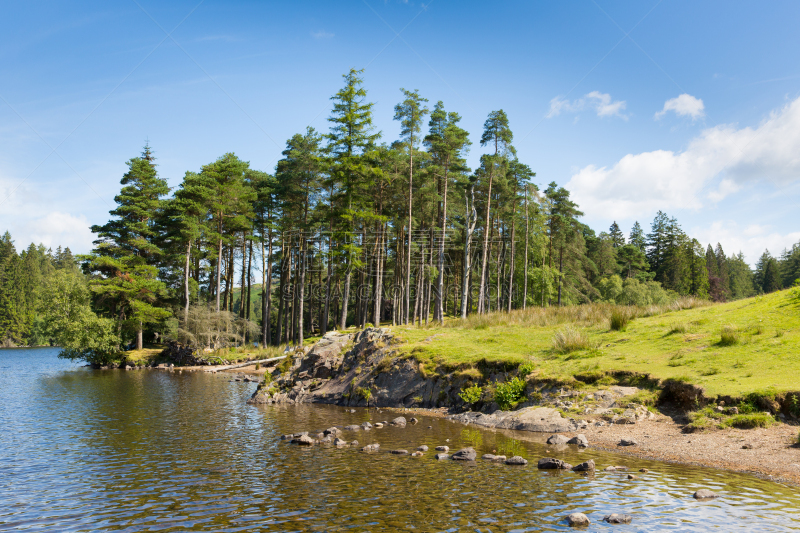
(348, 230)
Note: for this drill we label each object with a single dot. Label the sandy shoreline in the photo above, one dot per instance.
(773, 453)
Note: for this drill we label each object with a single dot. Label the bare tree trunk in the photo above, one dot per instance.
(376, 315)
(482, 293)
(139, 337)
(219, 270)
(472, 218)
(301, 296)
(440, 304)
(511, 260)
(560, 272)
(527, 233)
(186, 284)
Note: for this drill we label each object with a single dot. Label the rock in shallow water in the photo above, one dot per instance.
(615, 518)
(371, 447)
(465, 454)
(492, 457)
(578, 520)
(443, 448)
(579, 440)
(705, 494)
(516, 460)
(417, 454)
(400, 421)
(399, 452)
(352, 427)
(587, 466)
(549, 463)
(339, 442)
(557, 439)
(442, 456)
(422, 448)
(304, 440)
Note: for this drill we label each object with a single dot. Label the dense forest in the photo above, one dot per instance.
(350, 230)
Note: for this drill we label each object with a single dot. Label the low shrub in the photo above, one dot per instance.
(525, 370)
(620, 317)
(471, 395)
(749, 421)
(570, 339)
(729, 335)
(363, 393)
(680, 327)
(508, 394)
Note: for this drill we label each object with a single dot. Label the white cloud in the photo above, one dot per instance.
(639, 184)
(600, 102)
(751, 240)
(57, 229)
(684, 105)
(322, 34)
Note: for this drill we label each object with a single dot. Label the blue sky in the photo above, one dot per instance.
(692, 108)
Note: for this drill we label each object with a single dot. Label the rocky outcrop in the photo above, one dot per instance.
(539, 419)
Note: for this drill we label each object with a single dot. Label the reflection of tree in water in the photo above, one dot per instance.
(510, 447)
(473, 437)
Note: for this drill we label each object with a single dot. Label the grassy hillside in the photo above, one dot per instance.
(761, 351)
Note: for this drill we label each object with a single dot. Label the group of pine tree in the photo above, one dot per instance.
(349, 230)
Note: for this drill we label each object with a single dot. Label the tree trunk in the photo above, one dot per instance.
(219, 271)
(482, 292)
(560, 272)
(186, 284)
(527, 231)
(511, 261)
(139, 337)
(440, 263)
(472, 217)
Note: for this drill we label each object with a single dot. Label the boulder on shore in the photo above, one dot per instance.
(628, 442)
(579, 440)
(557, 439)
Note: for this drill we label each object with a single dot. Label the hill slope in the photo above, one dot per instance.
(683, 344)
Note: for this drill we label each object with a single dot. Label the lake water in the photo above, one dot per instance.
(149, 450)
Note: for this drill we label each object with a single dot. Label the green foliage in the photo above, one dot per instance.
(363, 393)
(749, 421)
(509, 393)
(471, 395)
(525, 369)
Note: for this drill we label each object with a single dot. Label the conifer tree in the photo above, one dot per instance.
(617, 237)
(410, 112)
(637, 237)
(350, 136)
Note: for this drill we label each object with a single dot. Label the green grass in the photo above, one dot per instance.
(666, 343)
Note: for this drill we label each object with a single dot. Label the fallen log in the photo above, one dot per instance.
(248, 363)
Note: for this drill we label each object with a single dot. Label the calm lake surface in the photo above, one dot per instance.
(148, 450)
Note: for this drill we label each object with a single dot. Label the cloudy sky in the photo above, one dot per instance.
(691, 108)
